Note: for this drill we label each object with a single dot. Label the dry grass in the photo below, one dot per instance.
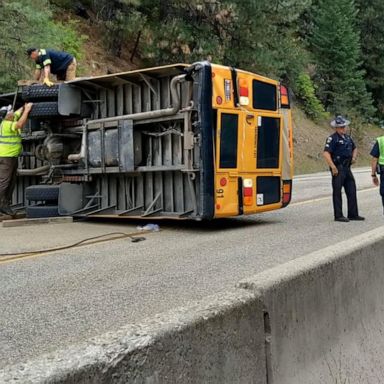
(96, 59)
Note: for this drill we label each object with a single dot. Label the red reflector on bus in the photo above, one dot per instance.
(243, 88)
(219, 100)
(286, 198)
(283, 90)
(223, 181)
(247, 192)
(244, 92)
(284, 96)
(287, 192)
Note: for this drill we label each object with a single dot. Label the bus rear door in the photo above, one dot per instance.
(259, 165)
(227, 198)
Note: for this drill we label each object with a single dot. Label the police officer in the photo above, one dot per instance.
(48, 61)
(339, 153)
(10, 149)
(377, 154)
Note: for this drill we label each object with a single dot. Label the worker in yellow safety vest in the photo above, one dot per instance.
(10, 149)
(377, 164)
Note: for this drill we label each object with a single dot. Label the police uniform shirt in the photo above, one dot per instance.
(340, 147)
(375, 152)
(58, 61)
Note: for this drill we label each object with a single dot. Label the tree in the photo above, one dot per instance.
(257, 35)
(335, 44)
(372, 42)
(29, 23)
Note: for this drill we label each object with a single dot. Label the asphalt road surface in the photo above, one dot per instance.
(49, 301)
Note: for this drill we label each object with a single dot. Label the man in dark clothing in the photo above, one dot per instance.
(339, 153)
(48, 61)
(377, 154)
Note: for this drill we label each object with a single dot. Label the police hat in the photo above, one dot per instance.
(339, 121)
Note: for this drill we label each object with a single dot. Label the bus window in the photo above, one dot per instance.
(228, 140)
(268, 190)
(268, 142)
(264, 96)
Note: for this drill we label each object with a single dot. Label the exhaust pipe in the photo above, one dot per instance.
(151, 114)
(81, 155)
(134, 116)
(34, 172)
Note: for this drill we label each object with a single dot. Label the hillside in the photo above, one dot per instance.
(95, 57)
(309, 137)
(116, 36)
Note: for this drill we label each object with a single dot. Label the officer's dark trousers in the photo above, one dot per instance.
(382, 183)
(8, 170)
(344, 179)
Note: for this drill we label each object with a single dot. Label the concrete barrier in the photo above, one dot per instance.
(219, 341)
(324, 314)
(318, 319)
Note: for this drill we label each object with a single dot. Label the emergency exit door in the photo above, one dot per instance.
(227, 163)
(259, 160)
(268, 154)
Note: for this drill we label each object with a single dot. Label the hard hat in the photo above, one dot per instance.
(5, 110)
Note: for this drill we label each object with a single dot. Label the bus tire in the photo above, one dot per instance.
(42, 193)
(44, 109)
(39, 92)
(36, 211)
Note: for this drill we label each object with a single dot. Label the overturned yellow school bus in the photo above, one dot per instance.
(197, 141)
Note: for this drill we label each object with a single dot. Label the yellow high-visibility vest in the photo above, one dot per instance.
(10, 139)
(380, 140)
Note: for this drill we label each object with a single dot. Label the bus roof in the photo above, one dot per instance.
(130, 77)
(260, 77)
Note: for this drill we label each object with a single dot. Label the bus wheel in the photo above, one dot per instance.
(35, 211)
(44, 109)
(42, 193)
(40, 92)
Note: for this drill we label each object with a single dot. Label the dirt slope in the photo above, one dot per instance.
(309, 137)
(309, 140)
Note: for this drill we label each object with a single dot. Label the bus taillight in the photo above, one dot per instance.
(243, 92)
(287, 192)
(284, 97)
(247, 192)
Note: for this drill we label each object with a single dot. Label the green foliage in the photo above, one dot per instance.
(357, 129)
(30, 24)
(306, 93)
(372, 42)
(64, 4)
(232, 32)
(122, 21)
(71, 41)
(335, 44)
(343, 51)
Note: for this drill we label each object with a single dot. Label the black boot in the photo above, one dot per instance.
(6, 210)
